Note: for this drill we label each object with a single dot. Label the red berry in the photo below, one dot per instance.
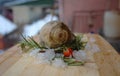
(68, 52)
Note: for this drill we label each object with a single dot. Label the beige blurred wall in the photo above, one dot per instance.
(25, 14)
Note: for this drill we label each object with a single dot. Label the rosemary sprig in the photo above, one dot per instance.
(29, 43)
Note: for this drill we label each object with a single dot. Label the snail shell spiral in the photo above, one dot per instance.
(55, 33)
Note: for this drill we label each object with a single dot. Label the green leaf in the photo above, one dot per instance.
(76, 64)
(73, 62)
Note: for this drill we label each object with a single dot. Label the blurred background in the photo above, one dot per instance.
(83, 16)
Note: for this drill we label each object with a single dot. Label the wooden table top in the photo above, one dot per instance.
(106, 63)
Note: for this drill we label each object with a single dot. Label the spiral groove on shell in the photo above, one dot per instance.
(54, 34)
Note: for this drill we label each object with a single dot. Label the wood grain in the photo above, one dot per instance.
(108, 60)
(103, 63)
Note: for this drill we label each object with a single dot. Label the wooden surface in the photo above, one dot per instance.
(103, 63)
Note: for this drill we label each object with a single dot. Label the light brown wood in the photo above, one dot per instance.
(104, 63)
(107, 59)
(26, 67)
(9, 58)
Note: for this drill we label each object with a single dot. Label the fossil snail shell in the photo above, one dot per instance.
(55, 33)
